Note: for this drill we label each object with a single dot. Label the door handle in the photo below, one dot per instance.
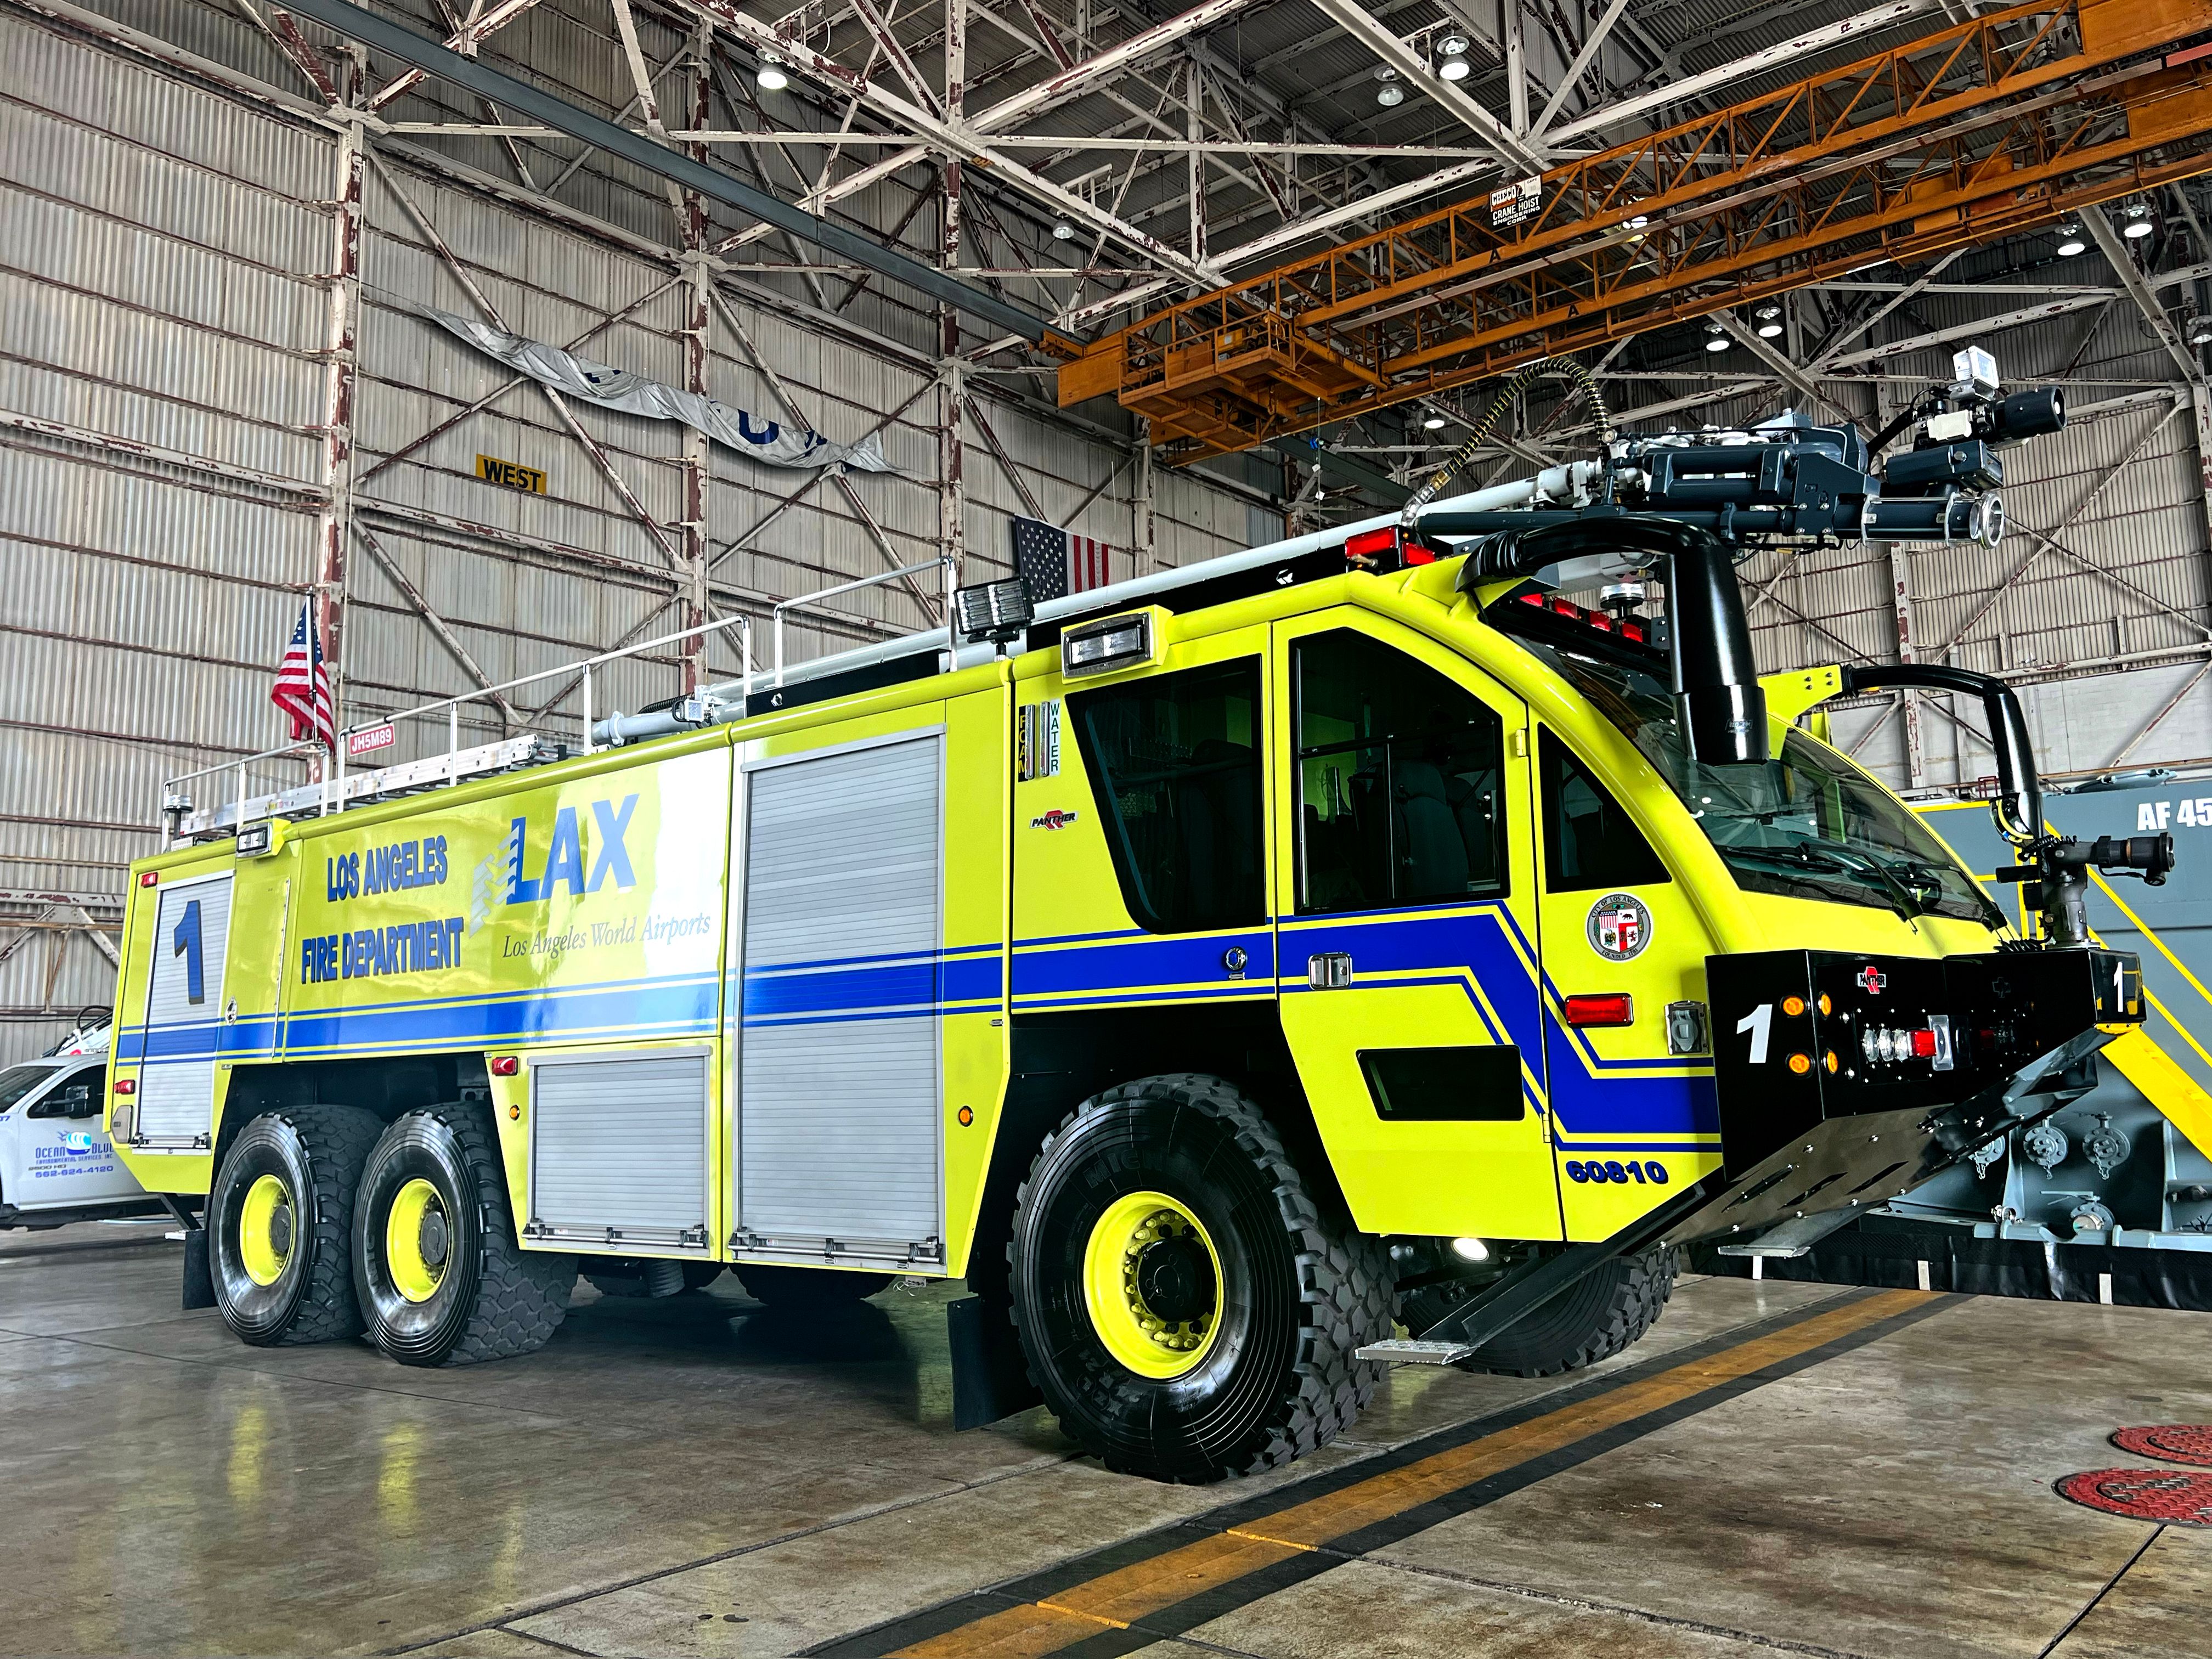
(1330, 971)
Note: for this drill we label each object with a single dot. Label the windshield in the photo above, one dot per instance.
(1807, 823)
(18, 1080)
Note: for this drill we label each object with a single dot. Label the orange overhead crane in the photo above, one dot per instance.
(1991, 127)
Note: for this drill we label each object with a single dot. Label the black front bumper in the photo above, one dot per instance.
(1816, 1118)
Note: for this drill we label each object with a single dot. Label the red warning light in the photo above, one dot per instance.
(1607, 1008)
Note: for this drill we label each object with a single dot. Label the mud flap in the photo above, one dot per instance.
(199, 1275)
(990, 1378)
(199, 1279)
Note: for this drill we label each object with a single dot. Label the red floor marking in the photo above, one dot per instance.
(2163, 1495)
(2175, 1442)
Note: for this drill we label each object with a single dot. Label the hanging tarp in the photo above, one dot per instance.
(617, 388)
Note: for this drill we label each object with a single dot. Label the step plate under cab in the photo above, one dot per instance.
(1411, 1350)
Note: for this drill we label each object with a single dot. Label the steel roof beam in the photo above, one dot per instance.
(2124, 266)
(434, 57)
(1591, 43)
(958, 140)
(464, 40)
(1787, 53)
(1362, 26)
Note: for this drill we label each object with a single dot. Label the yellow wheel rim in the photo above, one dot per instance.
(417, 1261)
(266, 1229)
(1145, 1251)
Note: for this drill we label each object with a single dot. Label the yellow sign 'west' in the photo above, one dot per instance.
(492, 470)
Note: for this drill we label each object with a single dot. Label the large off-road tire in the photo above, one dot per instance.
(809, 1287)
(279, 1220)
(1184, 1304)
(441, 1276)
(1607, 1311)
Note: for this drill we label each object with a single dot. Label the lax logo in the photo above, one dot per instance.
(503, 879)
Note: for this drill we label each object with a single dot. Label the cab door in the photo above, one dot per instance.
(1631, 1066)
(1405, 898)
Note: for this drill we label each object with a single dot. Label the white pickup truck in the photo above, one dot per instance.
(55, 1164)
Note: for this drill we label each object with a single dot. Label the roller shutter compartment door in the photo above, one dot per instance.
(618, 1150)
(840, 1092)
(184, 1014)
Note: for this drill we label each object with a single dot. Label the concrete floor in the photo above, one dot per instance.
(701, 1476)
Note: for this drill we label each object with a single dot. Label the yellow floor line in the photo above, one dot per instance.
(1125, 1594)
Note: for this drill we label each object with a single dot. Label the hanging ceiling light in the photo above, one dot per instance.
(1770, 320)
(1451, 58)
(1434, 423)
(2200, 331)
(1388, 92)
(1062, 231)
(1715, 339)
(2139, 220)
(772, 77)
(2070, 240)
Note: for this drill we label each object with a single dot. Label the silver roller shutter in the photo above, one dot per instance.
(618, 1150)
(839, 1091)
(176, 1086)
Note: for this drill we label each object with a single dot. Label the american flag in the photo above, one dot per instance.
(1056, 563)
(303, 685)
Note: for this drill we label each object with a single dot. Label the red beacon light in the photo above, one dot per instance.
(1384, 550)
(1631, 628)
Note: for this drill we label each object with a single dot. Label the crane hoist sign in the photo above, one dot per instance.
(1511, 203)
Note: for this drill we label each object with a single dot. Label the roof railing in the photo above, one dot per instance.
(336, 790)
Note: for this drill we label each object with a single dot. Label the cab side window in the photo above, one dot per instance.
(1400, 780)
(1174, 766)
(1589, 841)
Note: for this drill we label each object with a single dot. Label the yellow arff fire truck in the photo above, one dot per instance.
(1208, 969)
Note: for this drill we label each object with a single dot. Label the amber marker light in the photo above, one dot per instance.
(1801, 1064)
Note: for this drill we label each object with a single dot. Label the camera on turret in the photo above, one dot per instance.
(1947, 484)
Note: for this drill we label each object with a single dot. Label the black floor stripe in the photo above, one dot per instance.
(1051, 1582)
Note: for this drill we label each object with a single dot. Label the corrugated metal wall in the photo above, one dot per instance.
(162, 286)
